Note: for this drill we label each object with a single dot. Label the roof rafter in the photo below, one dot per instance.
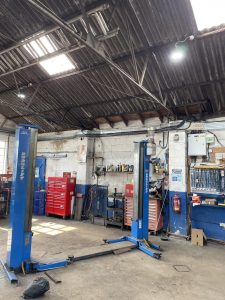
(47, 12)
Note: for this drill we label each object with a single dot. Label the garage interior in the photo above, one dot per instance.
(112, 148)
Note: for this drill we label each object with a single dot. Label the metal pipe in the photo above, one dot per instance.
(110, 133)
(94, 134)
(65, 25)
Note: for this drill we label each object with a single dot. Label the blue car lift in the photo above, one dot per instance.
(139, 227)
(20, 234)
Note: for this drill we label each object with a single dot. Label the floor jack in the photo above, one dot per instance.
(20, 234)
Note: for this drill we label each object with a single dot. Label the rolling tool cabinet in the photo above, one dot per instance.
(60, 196)
(155, 218)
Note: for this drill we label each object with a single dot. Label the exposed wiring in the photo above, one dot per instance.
(186, 127)
(216, 138)
(190, 37)
(161, 144)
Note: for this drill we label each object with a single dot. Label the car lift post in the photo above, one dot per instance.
(139, 227)
(21, 207)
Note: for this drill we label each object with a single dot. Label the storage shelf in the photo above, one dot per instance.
(209, 205)
(207, 193)
(114, 208)
(114, 172)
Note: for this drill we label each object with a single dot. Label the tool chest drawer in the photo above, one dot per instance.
(155, 218)
(60, 195)
(61, 183)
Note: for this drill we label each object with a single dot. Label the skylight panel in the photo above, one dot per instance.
(49, 45)
(40, 46)
(37, 48)
(57, 64)
(208, 13)
(44, 45)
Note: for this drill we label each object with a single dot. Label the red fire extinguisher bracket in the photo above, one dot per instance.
(176, 203)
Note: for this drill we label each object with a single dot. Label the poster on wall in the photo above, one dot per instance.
(176, 175)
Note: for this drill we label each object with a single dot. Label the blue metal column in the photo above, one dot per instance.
(139, 228)
(39, 180)
(20, 235)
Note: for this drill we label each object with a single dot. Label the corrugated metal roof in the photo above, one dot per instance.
(94, 90)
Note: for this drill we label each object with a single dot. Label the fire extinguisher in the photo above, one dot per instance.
(176, 204)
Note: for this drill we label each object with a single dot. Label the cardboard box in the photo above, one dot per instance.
(198, 237)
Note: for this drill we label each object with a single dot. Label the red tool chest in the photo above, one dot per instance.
(155, 219)
(60, 195)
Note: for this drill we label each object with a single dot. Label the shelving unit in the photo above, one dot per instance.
(114, 172)
(115, 212)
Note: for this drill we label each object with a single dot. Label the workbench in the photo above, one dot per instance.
(210, 218)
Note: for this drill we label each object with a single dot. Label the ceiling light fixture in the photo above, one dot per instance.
(21, 95)
(178, 53)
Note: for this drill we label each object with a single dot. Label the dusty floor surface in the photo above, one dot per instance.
(132, 275)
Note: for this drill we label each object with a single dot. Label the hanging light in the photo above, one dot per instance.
(21, 95)
(177, 55)
(179, 52)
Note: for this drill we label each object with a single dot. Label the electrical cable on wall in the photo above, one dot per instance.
(216, 138)
(167, 141)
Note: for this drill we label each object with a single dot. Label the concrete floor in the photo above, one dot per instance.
(132, 275)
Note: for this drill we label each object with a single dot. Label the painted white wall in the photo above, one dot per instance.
(120, 149)
(10, 141)
(114, 150)
(178, 161)
(74, 162)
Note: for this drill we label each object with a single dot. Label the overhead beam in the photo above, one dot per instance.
(47, 12)
(160, 115)
(141, 118)
(86, 105)
(118, 60)
(125, 121)
(186, 111)
(3, 122)
(33, 96)
(111, 124)
(86, 19)
(144, 70)
(90, 9)
(74, 106)
(67, 50)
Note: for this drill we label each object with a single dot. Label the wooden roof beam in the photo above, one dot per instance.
(125, 121)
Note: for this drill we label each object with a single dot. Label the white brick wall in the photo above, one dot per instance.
(71, 163)
(120, 149)
(10, 140)
(115, 150)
